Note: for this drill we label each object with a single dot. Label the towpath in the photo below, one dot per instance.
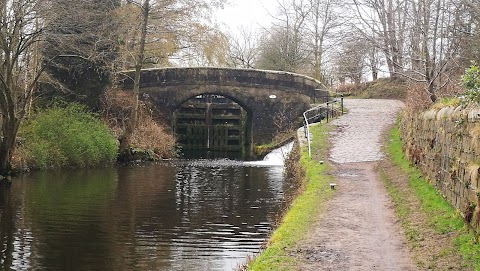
(358, 229)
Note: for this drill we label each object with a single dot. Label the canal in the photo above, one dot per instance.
(176, 215)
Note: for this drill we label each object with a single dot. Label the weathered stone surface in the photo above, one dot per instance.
(357, 138)
(445, 112)
(474, 115)
(447, 151)
(168, 88)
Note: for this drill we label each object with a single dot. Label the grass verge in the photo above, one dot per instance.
(300, 215)
(435, 231)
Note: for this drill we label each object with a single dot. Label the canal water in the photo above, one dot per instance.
(176, 215)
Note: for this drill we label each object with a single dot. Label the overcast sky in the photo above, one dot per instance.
(246, 13)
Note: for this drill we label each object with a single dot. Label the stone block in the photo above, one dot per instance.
(458, 112)
(445, 112)
(474, 115)
(429, 115)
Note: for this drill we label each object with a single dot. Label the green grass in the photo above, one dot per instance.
(303, 210)
(67, 136)
(442, 216)
(444, 102)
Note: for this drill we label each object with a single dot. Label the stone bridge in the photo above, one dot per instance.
(262, 102)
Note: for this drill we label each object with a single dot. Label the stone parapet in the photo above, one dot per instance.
(279, 80)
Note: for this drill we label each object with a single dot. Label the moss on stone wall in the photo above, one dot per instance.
(444, 143)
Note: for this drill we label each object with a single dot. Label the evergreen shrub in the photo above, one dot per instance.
(471, 82)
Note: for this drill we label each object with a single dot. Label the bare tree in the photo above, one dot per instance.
(138, 58)
(304, 35)
(243, 49)
(437, 34)
(474, 5)
(208, 47)
(420, 39)
(350, 62)
(283, 47)
(83, 34)
(322, 25)
(154, 31)
(374, 61)
(383, 23)
(20, 68)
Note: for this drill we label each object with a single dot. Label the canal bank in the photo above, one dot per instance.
(353, 227)
(298, 219)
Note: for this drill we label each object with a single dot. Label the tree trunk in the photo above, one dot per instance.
(316, 52)
(5, 159)
(373, 63)
(126, 138)
(7, 147)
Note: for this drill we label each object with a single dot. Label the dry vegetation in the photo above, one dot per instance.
(294, 171)
(150, 134)
(415, 95)
(384, 88)
(417, 98)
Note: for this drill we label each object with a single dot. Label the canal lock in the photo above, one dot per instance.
(211, 126)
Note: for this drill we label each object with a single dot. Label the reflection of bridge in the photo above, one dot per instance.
(221, 108)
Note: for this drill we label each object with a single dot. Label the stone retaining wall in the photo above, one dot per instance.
(445, 145)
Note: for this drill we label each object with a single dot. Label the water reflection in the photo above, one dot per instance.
(199, 215)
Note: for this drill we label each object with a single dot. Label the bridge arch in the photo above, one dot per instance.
(219, 91)
(263, 94)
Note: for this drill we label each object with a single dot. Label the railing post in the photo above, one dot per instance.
(331, 110)
(341, 102)
(324, 111)
(307, 133)
(327, 112)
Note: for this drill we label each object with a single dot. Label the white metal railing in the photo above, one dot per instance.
(327, 111)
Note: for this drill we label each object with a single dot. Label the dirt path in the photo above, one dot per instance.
(358, 229)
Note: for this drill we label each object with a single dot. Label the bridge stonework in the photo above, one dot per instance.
(271, 98)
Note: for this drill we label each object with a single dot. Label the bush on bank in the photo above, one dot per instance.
(65, 136)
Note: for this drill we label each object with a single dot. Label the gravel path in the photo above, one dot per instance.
(358, 134)
(358, 229)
